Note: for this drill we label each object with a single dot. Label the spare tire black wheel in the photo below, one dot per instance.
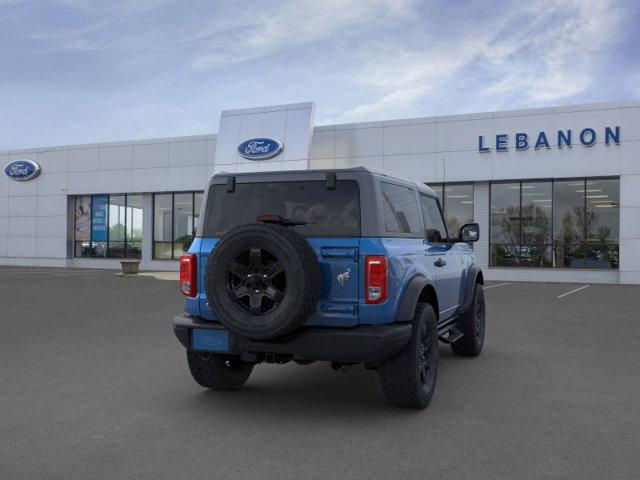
(263, 280)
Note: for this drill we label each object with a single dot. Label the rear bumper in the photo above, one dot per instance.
(361, 344)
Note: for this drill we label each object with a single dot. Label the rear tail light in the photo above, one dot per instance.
(376, 278)
(188, 271)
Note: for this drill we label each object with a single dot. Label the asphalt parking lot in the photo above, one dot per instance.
(93, 384)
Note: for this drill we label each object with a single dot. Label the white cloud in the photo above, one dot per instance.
(119, 6)
(397, 98)
(218, 33)
(164, 67)
(254, 33)
(543, 52)
(554, 63)
(404, 77)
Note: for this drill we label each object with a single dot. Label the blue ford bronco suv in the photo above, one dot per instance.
(348, 266)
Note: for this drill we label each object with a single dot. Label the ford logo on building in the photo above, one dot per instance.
(22, 170)
(260, 148)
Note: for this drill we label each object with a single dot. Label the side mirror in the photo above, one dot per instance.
(470, 232)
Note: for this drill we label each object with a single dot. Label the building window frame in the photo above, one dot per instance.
(172, 242)
(125, 240)
(553, 245)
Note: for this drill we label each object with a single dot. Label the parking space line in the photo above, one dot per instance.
(497, 285)
(573, 291)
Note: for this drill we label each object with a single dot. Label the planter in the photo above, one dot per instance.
(130, 266)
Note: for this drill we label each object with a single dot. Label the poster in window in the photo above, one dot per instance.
(83, 219)
(99, 218)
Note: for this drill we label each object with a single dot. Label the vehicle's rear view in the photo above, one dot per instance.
(315, 223)
(285, 268)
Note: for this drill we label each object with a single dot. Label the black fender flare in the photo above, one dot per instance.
(472, 276)
(410, 298)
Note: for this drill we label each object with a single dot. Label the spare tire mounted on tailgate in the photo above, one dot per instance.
(263, 280)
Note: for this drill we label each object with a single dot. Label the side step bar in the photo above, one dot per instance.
(454, 335)
(449, 332)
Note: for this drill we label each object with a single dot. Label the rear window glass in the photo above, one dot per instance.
(327, 213)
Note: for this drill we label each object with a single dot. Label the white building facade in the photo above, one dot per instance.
(556, 191)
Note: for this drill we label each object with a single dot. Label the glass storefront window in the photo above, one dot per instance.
(568, 211)
(117, 219)
(99, 227)
(457, 204)
(183, 230)
(108, 226)
(505, 224)
(563, 224)
(603, 211)
(603, 223)
(134, 226)
(535, 249)
(569, 223)
(175, 221)
(162, 225)
(197, 208)
(82, 226)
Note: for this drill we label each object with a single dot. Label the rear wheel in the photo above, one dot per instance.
(218, 372)
(409, 378)
(472, 325)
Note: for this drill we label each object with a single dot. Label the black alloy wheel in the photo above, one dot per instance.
(257, 281)
(472, 325)
(425, 356)
(408, 379)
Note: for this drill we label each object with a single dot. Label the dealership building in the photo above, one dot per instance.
(556, 190)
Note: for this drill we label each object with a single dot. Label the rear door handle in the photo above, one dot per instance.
(440, 263)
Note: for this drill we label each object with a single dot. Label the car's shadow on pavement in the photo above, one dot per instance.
(314, 390)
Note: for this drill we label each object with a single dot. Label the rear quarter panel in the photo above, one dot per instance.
(406, 259)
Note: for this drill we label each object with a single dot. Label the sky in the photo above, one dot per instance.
(80, 71)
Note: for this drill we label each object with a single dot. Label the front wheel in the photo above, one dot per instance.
(409, 378)
(218, 372)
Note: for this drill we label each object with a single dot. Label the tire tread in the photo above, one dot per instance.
(398, 374)
(467, 345)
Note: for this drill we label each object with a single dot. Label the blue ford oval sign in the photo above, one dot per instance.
(22, 170)
(260, 148)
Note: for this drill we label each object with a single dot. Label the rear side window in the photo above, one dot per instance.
(327, 213)
(433, 222)
(400, 209)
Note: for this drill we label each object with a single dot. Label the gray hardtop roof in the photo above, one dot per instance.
(366, 170)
